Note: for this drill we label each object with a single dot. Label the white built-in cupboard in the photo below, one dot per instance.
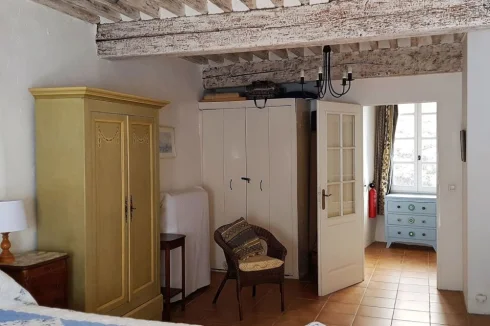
(255, 165)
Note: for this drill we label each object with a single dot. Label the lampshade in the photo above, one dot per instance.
(12, 216)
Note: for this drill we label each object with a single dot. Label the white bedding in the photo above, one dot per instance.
(18, 308)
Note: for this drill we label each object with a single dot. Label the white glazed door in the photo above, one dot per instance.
(258, 167)
(282, 140)
(212, 177)
(340, 196)
(235, 164)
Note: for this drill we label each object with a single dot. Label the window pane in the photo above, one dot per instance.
(348, 130)
(333, 130)
(404, 150)
(348, 164)
(349, 199)
(405, 126)
(429, 150)
(429, 125)
(404, 174)
(333, 165)
(406, 108)
(429, 175)
(333, 200)
(429, 107)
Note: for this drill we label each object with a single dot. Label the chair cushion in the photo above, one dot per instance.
(259, 263)
(242, 239)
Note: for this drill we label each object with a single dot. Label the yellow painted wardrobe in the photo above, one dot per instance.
(97, 174)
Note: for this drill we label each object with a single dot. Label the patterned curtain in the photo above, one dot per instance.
(386, 117)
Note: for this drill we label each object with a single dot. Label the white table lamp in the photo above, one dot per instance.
(12, 219)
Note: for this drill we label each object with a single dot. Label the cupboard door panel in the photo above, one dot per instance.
(235, 165)
(258, 166)
(108, 243)
(212, 177)
(281, 142)
(141, 204)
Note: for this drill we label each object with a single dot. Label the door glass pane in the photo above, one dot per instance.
(406, 108)
(333, 130)
(404, 150)
(429, 107)
(404, 174)
(348, 164)
(405, 126)
(333, 203)
(429, 150)
(348, 130)
(349, 199)
(333, 165)
(429, 175)
(429, 125)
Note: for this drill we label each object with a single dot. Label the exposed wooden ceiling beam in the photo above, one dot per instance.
(251, 4)
(200, 6)
(299, 52)
(317, 50)
(335, 48)
(224, 5)
(148, 7)
(216, 58)
(354, 47)
(281, 53)
(336, 22)
(374, 45)
(70, 9)
(247, 56)
(197, 59)
(263, 55)
(176, 7)
(404, 42)
(442, 58)
(96, 8)
(233, 57)
(278, 3)
(121, 8)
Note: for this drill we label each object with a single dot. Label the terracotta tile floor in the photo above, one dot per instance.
(399, 290)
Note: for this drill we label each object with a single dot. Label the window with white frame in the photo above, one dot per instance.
(415, 149)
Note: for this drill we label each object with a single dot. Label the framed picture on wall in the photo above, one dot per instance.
(166, 142)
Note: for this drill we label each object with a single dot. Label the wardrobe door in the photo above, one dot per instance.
(258, 166)
(212, 177)
(142, 204)
(235, 164)
(281, 141)
(107, 241)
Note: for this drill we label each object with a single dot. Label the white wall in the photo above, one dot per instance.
(368, 130)
(446, 90)
(41, 48)
(477, 175)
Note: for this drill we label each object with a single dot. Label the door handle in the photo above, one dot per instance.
(231, 188)
(246, 179)
(324, 195)
(260, 185)
(131, 207)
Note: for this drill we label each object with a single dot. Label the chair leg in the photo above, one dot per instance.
(253, 291)
(239, 297)
(281, 287)
(222, 285)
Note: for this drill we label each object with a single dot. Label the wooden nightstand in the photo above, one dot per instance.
(43, 274)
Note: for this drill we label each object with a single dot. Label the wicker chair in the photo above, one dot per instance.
(275, 275)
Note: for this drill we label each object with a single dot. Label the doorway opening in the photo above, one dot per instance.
(398, 246)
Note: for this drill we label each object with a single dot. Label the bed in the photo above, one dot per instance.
(18, 307)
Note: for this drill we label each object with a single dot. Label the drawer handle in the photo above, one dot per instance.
(423, 221)
(398, 206)
(399, 220)
(399, 232)
(423, 234)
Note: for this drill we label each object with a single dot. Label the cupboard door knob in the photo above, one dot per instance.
(399, 232)
(423, 208)
(398, 206)
(423, 221)
(423, 234)
(399, 220)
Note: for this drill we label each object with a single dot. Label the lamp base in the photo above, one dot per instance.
(6, 256)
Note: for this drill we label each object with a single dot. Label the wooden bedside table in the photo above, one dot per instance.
(43, 274)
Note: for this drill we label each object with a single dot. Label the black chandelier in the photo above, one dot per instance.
(324, 79)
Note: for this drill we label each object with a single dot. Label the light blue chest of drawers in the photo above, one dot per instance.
(411, 219)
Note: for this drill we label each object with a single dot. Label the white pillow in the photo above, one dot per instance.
(11, 291)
